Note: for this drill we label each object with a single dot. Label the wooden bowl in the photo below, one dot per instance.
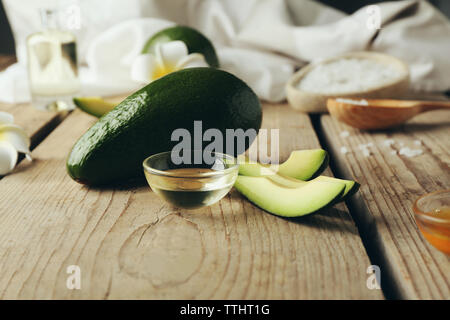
(314, 102)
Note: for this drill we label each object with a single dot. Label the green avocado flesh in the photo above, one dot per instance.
(301, 164)
(305, 164)
(275, 198)
(194, 40)
(95, 106)
(279, 190)
(350, 186)
(113, 148)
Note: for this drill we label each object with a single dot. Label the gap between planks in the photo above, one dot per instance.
(36, 123)
(389, 185)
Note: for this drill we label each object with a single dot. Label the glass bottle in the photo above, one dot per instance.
(52, 65)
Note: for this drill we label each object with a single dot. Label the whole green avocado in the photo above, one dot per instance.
(194, 40)
(113, 149)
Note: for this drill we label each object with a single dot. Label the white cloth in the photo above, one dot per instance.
(260, 41)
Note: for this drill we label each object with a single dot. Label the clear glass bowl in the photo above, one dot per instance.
(432, 214)
(191, 184)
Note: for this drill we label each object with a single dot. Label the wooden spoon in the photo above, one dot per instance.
(379, 113)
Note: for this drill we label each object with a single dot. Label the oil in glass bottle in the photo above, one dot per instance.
(52, 65)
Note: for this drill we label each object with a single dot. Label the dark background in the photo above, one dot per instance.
(7, 41)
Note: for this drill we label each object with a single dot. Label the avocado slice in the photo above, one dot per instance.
(251, 168)
(113, 149)
(280, 200)
(301, 164)
(305, 164)
(351, 187)
(194, 40)
(95, 106)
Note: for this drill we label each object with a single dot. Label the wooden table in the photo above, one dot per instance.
(131, 245)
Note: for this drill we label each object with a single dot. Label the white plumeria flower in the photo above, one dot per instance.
(169, 57)
(13, 140)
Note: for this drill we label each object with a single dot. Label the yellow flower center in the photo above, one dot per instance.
(162, 70)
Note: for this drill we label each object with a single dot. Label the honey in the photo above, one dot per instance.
(436, 229)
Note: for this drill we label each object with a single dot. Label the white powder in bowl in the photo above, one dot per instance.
(348, 75)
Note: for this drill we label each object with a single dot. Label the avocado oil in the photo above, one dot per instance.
(185, 191)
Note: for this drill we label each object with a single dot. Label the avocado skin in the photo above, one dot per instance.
(322, 167)
(113, 149)
(194, 40)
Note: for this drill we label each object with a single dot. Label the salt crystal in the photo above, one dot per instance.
(366, 152)
(393, 152)
(344, 134)
(361, 102)
(417, 142)
(388, 142)
(408, 152)
(365, 146)
(344, 150)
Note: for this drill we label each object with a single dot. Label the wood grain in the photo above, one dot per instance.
(36, 123)
(129, 244)
(390, 183)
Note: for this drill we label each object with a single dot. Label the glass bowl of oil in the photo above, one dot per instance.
(432, 213)
(193, 180)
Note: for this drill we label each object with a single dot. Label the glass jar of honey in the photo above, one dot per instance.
(432, 214)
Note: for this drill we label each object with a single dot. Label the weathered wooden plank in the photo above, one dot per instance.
(37, 124)
(129, 244)
(390, 184)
